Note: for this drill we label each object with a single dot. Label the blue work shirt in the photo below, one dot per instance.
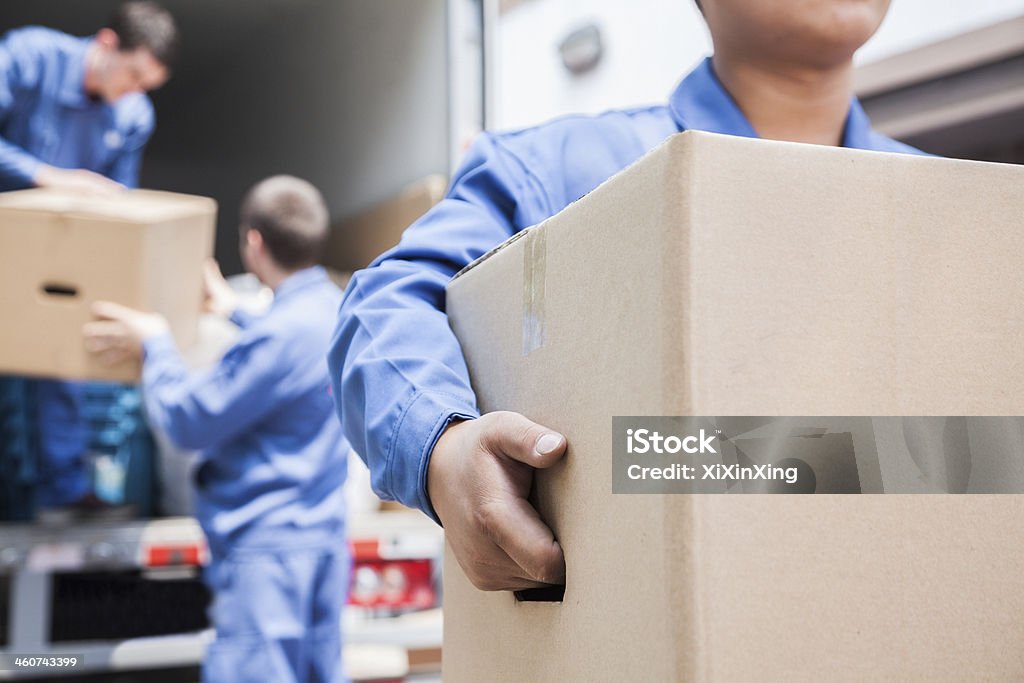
(397, 370)
(272, 455)
(46, 117)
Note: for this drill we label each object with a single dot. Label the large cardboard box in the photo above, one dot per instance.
(355, 242)
(61, 252)
(721, 276)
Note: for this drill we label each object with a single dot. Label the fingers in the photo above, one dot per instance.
(108, 310)
(107, 188)
(94, 184)
(220, 298)
(109, 341)
(78, 181)
(102, 333)
(211, 274)
(516, 527)
(518, 438)
(479, 476)
(115, 356)
(489, 568)
(100, 183)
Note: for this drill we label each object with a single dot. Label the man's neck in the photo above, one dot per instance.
(274, 280)
(800, 105)
(273, 276)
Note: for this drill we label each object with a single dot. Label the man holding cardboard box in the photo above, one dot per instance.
(272, 457)
(74, 116)
(780, 70)
(73, 111)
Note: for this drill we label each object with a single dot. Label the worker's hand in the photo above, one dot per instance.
(76, 180)
(479, 477)
(120, 331)
(219, 299)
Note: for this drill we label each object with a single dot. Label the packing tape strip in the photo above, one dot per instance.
(534, 275)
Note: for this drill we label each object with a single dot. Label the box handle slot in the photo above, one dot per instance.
(59, 289)
(544, 594)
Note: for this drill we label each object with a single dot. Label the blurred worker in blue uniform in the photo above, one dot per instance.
(272, 456)
(74, 115)
(781, 69)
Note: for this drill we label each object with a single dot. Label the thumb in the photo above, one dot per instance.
(211, 271)
(518, 438)
(108, 310)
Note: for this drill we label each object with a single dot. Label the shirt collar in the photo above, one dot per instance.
(857, 132)
(300, 280)
(72, 86)
(702, 103)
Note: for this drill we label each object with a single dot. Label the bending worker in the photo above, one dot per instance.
(74, 116)
(272, 457)
(781, 69)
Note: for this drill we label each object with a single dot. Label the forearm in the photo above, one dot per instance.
(18, 167)
(164, 378)
(204, 409)
(398, 379)
(398, 373)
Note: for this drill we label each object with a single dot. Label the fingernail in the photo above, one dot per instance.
(548, 443)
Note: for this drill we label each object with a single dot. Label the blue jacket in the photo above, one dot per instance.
(272, 455)
(47, 117)
(397, 370)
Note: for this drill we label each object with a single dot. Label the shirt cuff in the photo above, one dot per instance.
(158, 345)
(421, 425)
(29, 168)
(241, 317)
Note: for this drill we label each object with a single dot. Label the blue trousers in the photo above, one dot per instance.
(63, 441)
(277, 605)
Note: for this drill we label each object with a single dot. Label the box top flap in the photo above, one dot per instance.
(668, 146)
(682, 143)
(137, 206)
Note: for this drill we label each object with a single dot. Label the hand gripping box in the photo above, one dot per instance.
(721, 276)
(61, 252)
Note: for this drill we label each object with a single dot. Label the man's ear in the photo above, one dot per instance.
(254, 239)
(108, 39)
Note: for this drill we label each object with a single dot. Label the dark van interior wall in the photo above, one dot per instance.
(350, 94)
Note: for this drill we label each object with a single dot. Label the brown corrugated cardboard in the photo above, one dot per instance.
(726, 276)
(62, 252)
(339, 278)
(354, 243)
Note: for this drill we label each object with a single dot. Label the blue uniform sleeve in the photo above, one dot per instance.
(398, 374)
(19, 71)
(125, 168)
(206, 409)
(241, 318)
